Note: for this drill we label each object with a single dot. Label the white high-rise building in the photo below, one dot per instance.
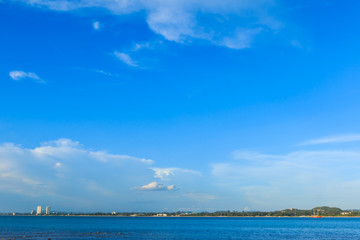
(48, 210)
(38, 211)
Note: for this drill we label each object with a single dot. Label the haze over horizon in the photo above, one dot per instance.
(186, 105)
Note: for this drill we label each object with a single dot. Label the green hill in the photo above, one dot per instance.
(327, 210)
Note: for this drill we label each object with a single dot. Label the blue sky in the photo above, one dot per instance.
(179, 105)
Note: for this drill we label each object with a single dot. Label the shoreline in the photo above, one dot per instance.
(24, 215)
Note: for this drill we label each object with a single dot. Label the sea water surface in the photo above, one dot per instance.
(51, 227)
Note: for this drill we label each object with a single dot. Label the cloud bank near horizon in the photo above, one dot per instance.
(64, 173)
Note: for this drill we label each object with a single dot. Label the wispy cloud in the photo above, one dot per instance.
(165, 173)
(252, 156)
(332, 139)
(19, 75)
(154, 186)
(139, 46)
(125, 58)
(241, 39)
(304, 178)
(231, 23)
(106, 73)
(96, 25)
(126, 55)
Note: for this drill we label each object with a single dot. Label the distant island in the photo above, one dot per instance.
(291, 212)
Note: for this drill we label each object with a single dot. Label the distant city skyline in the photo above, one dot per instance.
(189, 105)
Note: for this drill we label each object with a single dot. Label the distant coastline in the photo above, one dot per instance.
(317, 212)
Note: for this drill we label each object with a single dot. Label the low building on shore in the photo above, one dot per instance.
(161, 215)
(345, 213)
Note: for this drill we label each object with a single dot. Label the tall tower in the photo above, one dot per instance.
(38, 211)
(48, 210)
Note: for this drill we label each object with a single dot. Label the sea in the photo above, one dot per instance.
(69, 227)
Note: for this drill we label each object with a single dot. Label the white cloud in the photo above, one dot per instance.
(139, 46)
(154, 186)
(231, 23)
(58, 165)
(19, 75)
(165, 173)
(333, 139)
(242, 38)
(125, 58)
(96, 25)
